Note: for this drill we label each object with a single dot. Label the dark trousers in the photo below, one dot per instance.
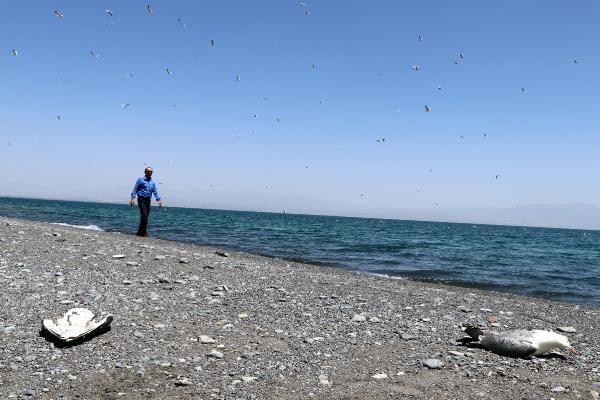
(144, 205)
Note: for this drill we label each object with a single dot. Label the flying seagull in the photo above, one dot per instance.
(416, 68)
(382, 140)
(109, 13)
(302, 4)
(519, 343)
(461, 55)
(576, 61)
(58, 117)
(307, 12)
(497, 176)
(124, 106)
(94, 55)
(212, 43)
(149, 8)
(15, 52)
(58, 14)
(168, 71)
(455, 62)
(183, 24)
(314, 66)
(427, 109)
(524, 90)
(420, 39)
(484, 134)
(277, 119)
(439, 88)
(237, 78)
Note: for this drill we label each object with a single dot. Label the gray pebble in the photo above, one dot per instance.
(433, 363)
(567, 329)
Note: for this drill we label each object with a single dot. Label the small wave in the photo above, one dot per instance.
(89, 227)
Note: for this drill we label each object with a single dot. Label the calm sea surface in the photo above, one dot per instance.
(558, 264)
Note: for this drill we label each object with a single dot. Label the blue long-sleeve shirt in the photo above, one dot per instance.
(144, 188)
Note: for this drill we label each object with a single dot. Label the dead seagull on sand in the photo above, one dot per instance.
(519, 343)
(77, 323)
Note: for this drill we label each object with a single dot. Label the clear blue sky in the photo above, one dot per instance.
(543, 143)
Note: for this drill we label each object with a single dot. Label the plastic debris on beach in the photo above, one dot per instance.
(77, 323)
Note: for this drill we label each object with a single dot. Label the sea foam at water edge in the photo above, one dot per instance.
(90, 227)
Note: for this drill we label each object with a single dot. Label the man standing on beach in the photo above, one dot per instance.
(143, 189)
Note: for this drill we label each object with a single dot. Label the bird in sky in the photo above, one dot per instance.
(382, 140)
(212, 43)
(124, 106)
(168, 71)
(58, 14)
(462, 137)
(149, 8)
(314, 66)
(237, 78)
(307, 12)
(302, 4)
(94, 55)
(108, 12)
(461, 55)
(455, 62)
(575, 61)
(427, 109)
(439, 88)
(420, 38)
(129, 76)
(181, 23)
(416, 68)
(524, 90)
(15, 52)
(484, 134)
(497, 176)
(58, 117)
(277, 119)
(264, 98)
(254, 115)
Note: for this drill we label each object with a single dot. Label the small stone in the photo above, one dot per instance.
(456, 353)
(117, 256)
(558, 389)
(183, 382)
(184, 261)
(464, 309)
(249, 378)
(159, 326)
(485, 310)
(359, 318)
(163, 279)
(131, 263)
(567, 329)
(406, 336)
(374, 319)
(138, 334)
(215, 354)
(160, 257)
(28, 392)
(221, 253)
(205, 339)
(127, 282)
(8, 330)
(491, 319)
(323, 379)
(433, 363)
(594, 394)
(380, 376)
(242, 315)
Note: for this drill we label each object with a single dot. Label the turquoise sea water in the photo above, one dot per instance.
(559, 264)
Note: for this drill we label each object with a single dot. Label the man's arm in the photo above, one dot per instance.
(156, 195)
(134, 192)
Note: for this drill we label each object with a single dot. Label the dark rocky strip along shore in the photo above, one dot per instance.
(190, 324)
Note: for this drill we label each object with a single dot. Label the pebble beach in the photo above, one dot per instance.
(197, 322)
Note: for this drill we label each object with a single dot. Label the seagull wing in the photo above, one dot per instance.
(512, 344)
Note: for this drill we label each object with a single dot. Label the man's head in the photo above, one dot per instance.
(148, 172)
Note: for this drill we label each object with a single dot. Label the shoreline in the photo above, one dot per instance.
(283, 329)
